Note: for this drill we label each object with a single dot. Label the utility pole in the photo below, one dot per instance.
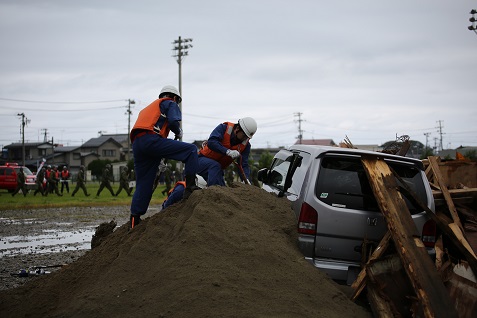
(300, 132)
(45, 139)
(427, 137)
(24, 122)
(52, 150)
(181, 47)
(440, 133)
(129, 112)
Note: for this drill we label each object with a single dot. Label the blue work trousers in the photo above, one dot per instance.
(211, 171)
(148, 150)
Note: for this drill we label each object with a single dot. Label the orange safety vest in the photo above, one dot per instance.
(148, 117)
(65, 174)
(224, 160)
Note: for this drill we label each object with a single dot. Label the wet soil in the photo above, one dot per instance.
(49, 238)
(226, 252)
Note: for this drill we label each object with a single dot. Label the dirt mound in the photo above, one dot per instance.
(228, 252)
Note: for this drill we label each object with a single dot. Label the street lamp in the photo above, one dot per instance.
(472, 19)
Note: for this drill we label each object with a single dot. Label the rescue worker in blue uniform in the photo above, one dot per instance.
(175, 194)
(150, 144)
(227, 142)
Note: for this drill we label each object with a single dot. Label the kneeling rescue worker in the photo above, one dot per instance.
(150, 144)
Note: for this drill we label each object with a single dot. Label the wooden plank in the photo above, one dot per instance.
(422, 273)
(379, 305)
(456, 193)
(360, 282)
(442, 222)
(445, 192)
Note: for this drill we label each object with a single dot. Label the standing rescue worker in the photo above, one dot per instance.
(65, 179)
(106, 178)
(21, 185)
(53, 181)
(40, 177)
(80, 183)
(47, 177)
(150, 144)
(227, 142)
(124, 181)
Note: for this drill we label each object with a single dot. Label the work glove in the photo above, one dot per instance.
(179, 135)
(233, 153)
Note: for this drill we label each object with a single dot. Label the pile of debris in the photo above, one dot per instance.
(400, 277)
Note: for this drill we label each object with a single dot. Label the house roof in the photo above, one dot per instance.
(96, 142)
(67, 149)
(316, 142)
(27, 144)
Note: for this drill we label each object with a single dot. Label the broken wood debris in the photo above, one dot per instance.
(400, 277)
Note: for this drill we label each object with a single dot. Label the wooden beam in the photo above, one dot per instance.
(445, 192)
(422, 273)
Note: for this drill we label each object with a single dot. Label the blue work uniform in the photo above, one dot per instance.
(211, 170)
(150, 144)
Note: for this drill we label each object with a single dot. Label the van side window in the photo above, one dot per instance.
(278, 173)
(8, 171)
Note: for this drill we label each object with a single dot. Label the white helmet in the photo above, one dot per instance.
(170, 89)
(248, 125)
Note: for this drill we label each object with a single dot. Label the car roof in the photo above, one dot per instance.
(316, 150)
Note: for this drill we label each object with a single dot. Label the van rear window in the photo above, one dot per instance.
(342, 182)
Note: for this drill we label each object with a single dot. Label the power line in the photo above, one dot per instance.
(62, 110)
(47, 102)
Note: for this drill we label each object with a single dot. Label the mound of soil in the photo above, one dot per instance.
(226, 252)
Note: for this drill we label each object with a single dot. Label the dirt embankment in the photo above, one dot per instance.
(226, 252)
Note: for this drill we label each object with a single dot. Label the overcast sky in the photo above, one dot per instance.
(368, 70)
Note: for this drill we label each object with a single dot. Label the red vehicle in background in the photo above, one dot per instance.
(8, 177)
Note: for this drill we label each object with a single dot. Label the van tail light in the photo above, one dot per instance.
(308, 219)
(429, 232)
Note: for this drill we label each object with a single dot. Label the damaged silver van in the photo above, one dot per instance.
(338, 218)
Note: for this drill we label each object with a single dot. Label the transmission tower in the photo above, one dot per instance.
(439, 130)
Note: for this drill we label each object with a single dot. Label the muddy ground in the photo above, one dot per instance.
(49, 237)
(226, 252)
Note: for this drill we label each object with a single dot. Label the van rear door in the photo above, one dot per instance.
(348, 213)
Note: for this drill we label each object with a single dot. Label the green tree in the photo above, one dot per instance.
(471, 154)
(97, 167)
(265, 160)
(428, 152)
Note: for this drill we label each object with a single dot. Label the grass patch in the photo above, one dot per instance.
(20, 202)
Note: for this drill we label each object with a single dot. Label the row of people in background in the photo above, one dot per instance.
(48, 180)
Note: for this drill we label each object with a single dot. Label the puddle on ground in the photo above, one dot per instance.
(50, 241)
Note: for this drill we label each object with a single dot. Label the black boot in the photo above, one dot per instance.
(134, 220)
(190, 187)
